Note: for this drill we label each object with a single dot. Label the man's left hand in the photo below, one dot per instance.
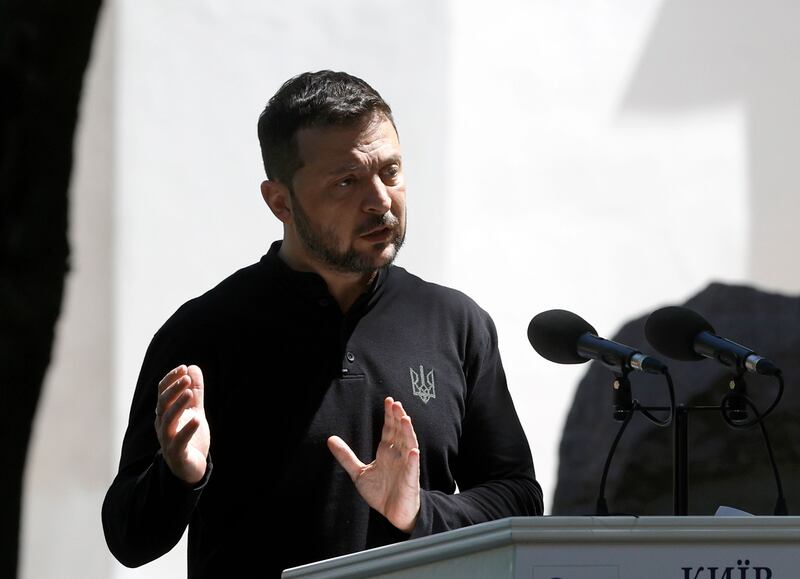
(390, 483)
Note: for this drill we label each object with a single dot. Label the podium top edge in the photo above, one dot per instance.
(576, 530)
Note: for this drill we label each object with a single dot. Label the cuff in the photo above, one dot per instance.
(172, 486)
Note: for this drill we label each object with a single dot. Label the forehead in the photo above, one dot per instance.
(369, 141)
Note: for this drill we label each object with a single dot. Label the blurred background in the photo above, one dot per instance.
(607, 157)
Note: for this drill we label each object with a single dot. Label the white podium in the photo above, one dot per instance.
(586, 548)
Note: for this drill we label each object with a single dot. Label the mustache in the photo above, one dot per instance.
(388, 219)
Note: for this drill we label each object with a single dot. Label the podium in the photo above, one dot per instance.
(585, 548)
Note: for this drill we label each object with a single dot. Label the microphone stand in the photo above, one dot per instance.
(680, 449)
(733, 408)
(734, 411)
(737, 400)
(680, 458)
(624, 409)
(680, 462)
(601, 507)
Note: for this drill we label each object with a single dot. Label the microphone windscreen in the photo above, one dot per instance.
(554, 335)
(672, 331)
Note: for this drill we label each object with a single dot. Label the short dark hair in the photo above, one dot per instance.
(312, 99)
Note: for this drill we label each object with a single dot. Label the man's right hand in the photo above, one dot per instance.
(181, 423)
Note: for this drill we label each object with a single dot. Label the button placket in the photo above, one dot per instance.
(350, 366)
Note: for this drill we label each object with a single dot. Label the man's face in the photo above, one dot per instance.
(348, 198)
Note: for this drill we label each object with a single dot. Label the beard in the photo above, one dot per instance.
(322, 243)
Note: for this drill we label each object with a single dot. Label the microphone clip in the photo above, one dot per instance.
(622, 398)
(734, 403)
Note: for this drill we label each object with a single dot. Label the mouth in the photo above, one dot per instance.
(380, 234)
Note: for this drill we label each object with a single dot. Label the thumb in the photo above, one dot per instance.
(345, 456)
(198, 388)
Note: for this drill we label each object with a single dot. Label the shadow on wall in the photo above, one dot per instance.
(726, 466)
(703, 53)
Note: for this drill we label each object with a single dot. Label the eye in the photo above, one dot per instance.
(392, 173)
(346, 182)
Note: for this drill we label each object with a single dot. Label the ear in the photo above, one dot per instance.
(276, 196)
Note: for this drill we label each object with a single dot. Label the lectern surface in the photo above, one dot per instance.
(585, 548)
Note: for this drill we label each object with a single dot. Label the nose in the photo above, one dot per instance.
(376, 197)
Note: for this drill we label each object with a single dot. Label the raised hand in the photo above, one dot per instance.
(390, 483)
(181, 423)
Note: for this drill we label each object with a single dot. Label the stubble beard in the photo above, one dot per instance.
(322, 243)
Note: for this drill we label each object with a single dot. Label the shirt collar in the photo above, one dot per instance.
(312, 285)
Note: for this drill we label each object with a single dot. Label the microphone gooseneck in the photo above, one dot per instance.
(566, 338)
(683, 334)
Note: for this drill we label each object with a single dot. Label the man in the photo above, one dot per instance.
(270, 389)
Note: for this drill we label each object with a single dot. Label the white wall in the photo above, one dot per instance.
(605, 157)
(563, 198)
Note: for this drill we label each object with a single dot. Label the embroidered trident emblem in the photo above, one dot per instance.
(422, 384)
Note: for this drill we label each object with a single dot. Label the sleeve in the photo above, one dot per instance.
(146, 508)
(494, 473)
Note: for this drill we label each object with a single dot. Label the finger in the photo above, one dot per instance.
(345, 456)
(411, 478)
(409, 436)
(171, 376)
(198, 385)
(171, 414)
(398, 411)
(184, 435)
(389, 423)
(169, 394)
(398, 437)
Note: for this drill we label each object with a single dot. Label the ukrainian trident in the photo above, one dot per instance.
(422, 384)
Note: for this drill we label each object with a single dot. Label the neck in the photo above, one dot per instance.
(345, 287)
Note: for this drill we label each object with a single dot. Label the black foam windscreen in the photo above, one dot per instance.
(554, 335)
(672, 331)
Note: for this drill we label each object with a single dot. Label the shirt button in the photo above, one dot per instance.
(351, 357)
(324, 302)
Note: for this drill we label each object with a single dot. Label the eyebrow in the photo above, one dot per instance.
(348, 167)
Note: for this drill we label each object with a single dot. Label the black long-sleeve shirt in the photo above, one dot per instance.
(284, 369)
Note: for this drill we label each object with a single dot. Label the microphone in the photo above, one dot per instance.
(566, 338)
(683, 334)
